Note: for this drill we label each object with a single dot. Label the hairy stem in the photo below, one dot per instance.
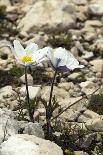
(27, 96)
(48, 112)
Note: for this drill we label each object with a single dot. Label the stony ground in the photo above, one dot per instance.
(76, 25)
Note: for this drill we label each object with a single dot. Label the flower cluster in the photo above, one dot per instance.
(60, 59)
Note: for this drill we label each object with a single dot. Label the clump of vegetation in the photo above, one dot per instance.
(40, 75)
(61, 40)
(33, 105)
(5, 78)
(2, 11)
(16, 73)
(72, 137)
(96, 103)
(7, 26)
(69, 152)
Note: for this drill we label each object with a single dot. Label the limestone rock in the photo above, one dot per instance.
(34, 129)
(97, 65)
(66, 85)
(29, 145)
(93, 23)
(48, 15)
(96, 7)
(8, 126)
(80, 153)
(87, 115)
(95, 124)
(88, 87)
(5, 2)
(80, 2)
(60, 93)
(8, 97)
(74, 76)
(29, 77)
(34, 91)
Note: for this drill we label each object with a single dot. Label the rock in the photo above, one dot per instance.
(88, 55)
(87, 115)
(5, 2)
(80, 153)
(79, 46)
(97, 65)
(89, 33)
(93, 23)
(88, 140)
(8, 126)
(88, 87)
(74, 76)
(29, 77)
(41, 112)
(81, 16)
(98, 46)
(91, 114)
(71, 100)
(80, 2)
(29, 145)
(69, 115)
(76, 34)
(6, 56)
(95, 124)
(66, 86)
(76, 92)
(34, 129)
(60, 93)
(45, 15)
(8, 97)
(5, 52)
(96, 8)
(62, 96)
(34, 91)
(6, 92)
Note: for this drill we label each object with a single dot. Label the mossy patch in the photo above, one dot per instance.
(96, 103)
(16, 73)
(2, 11)
(60, 40)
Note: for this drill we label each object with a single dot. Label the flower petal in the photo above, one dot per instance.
(40, 55)
(30, 49)
(18, 49)
(62, 69)
(61, 54)
(72, 62)
(66, 60)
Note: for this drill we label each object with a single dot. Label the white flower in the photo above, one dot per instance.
(29, 55)
(62, 61)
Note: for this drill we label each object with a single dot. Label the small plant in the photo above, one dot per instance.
(97, 151)
(23, 105)
(69, 152)
(61, 40)
(26, 57)
(16, 73)
(2, 12)
(61, 61)
(50, 107)
(96, 103)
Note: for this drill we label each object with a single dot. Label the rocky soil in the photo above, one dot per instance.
(76, 25)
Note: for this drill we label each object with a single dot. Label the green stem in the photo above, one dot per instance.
(52, 86)
(48, 110)
(27, 96)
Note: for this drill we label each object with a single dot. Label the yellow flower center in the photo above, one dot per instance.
(26, 59)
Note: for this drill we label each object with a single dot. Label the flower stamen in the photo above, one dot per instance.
(26, 59)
